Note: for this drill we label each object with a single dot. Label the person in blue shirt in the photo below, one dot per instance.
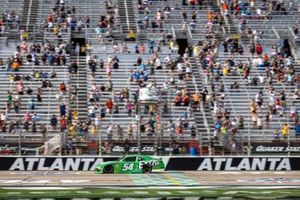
(102, 112)
(31, 103)
(143, 67)
(136, 47)
(137, 75)
(131, 75)
(35, 118)
(297, 130)
(145, 76)
(62, 109)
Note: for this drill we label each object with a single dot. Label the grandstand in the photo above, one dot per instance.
(224, 76)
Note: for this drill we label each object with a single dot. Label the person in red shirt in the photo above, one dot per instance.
(63, 124)
(259, 49)
(186, 100)
(179, 129)
(62, 88)
(50, 18)
(109, 105)
(178, 100)
(192, 2)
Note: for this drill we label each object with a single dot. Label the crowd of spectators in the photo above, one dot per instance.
(125, 100)
(32, 85)
(106, 23)
(63, 18)
(9, 19)
(262, 69)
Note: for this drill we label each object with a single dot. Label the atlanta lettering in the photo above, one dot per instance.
(60, 164)
(245, 164)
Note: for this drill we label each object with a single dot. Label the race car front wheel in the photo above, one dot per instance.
(108, 169)
(146, 169)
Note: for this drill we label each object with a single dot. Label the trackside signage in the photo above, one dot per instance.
(275, 148)
(172, 163)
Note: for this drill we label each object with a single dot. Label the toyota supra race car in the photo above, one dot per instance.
(130, 164)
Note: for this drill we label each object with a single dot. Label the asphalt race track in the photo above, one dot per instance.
(187, 178)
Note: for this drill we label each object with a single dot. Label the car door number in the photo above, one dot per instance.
(128, 166)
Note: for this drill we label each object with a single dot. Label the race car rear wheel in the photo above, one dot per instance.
(146, 169)
(108, 169)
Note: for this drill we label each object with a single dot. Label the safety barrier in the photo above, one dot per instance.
(178, 163)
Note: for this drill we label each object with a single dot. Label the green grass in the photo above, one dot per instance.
(147, 193)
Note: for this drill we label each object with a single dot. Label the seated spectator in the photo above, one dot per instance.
(131, 35)
(297, 129)
(285, 131)
(178, 100)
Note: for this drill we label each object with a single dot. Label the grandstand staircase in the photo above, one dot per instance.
(126, 14)
(203, 117)
(81, 83)
(30, 12)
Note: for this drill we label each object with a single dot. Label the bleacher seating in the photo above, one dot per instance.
(107, 27)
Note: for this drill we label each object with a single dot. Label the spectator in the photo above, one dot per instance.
(63, 124)
(285, 130)
(109, 105)
(35, 118)
(53, 122)
(31, 103)
(297, 129)
(131, 35)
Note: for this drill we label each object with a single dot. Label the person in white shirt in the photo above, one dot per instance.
(261, 79)
(259, 123)
(272, 98)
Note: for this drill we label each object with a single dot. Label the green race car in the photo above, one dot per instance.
(130, 164)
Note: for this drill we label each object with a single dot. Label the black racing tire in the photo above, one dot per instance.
(108, 169)
(146, 169)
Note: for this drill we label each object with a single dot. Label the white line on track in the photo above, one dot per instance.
(41, 188)
(10, 181)
(186, 192)
(141, 192)
(37, 182)
(279, 172)
(111, 192)
(257, 172)
(13, 193)
(34, 192)
(83, 192)
(74, 181)
(163, 192)
(228, 172)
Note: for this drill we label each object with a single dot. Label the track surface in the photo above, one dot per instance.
(188, 178)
